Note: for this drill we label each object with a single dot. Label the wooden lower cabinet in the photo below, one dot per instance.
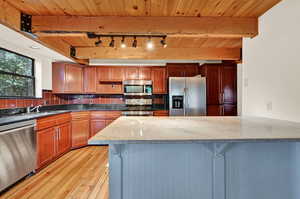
(229, 110)
(46, 149)
(96, 126)
(80, 129)
(161, 113)
(222, 110)
(54, 140)
(64, 138)
(101, 119)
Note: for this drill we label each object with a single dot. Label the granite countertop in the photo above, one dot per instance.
(28, 116)
(59, 109)
(205, 129)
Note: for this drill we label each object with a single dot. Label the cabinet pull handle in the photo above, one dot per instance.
(223, 97)
(58, 134)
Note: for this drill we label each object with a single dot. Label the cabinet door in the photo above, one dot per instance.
(90, 79)
(46, 146)
(191, 70)
(213, 87)
(74, 79)
(176, 70)
(229, 110)
(229, 84)
(96, 126)
(64, 138)
(132, 73)
(214, 110)
(159, 80)
(80, 132)
(145, 73)
(103, 74)
(116, 73)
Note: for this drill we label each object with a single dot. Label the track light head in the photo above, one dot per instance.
(163, 42)
(99, 42)
(123, 45)
(134, 44)
(150, 44)
(112, 42)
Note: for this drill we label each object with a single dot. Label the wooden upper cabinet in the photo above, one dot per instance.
(109, 80)
(145, 73)
(191, 70)
(142, 73)
(175, 70)
(117, 73)
(182, 70)
(90, 79)
(132, 73)
(103, 74)
(67, 78)
(159, 80)
(110, 74)
(229, 84)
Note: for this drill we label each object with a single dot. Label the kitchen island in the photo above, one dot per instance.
(202, 157)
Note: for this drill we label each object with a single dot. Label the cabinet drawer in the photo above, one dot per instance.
(63, 118)
(51, 121)
(105, 114)
(46, 122)
(161, 113)
(80, 115)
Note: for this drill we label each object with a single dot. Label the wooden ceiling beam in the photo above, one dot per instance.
(158, 53)
(11, 18)
(198, 26)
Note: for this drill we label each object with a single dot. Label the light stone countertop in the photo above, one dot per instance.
(205, 129)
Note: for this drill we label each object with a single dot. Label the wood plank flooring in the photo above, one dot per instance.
(80, 174)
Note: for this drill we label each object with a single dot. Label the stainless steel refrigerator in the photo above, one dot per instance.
(187, 96)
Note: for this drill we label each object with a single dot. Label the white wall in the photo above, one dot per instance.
(14, 41)
(271, 68)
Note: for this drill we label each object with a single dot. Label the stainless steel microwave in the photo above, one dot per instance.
(137, 87)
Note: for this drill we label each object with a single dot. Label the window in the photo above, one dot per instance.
(16, 75)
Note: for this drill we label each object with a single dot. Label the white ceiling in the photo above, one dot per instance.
(16, 41)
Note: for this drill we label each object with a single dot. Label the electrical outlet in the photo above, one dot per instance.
(269, 106)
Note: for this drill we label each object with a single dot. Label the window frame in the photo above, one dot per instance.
(18, 75)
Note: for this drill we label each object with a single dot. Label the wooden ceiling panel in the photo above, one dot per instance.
(242, 8)
(173, 42)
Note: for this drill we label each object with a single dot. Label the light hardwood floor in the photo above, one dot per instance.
(81, 173)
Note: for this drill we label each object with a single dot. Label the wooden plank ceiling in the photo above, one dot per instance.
(231, 8)
(228, 21)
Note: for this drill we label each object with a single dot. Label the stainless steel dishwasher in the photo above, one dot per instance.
(17, 152)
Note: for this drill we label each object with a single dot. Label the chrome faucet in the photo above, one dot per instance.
(37, 108)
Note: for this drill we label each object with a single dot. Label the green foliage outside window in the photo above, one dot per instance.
(16, 75)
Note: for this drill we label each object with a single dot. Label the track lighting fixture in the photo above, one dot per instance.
(149, 43)
(123, 45)
(163, 42)
(112, 42)
(134, 44)
(99, 42)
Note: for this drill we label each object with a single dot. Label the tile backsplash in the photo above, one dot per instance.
(56, 99)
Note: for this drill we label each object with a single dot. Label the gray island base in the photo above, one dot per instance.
(202, 158)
